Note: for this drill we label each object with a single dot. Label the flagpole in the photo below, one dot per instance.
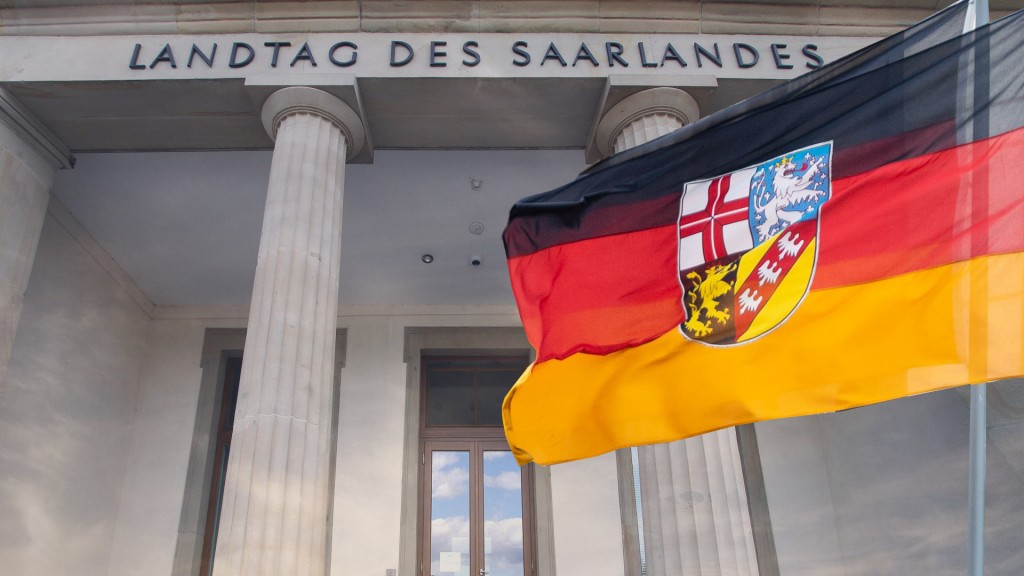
(978, 12)
(976, 482)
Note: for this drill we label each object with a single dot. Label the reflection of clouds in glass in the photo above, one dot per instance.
(441, 460)
(450, 476)
(443, 531)
(492, 455)
(506, 554)
(505, 481)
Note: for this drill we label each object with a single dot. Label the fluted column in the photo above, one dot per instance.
(646, 128)
(695, 507)
(696, 519)
(29, 158)
(274, 511)
(642, 117)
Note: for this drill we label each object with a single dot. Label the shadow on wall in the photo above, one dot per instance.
(66, 413)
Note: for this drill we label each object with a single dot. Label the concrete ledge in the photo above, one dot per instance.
(32, 134)
(134, 17)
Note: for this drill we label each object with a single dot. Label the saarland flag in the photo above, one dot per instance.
(853, 236)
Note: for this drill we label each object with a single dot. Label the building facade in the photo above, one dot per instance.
(255, 316)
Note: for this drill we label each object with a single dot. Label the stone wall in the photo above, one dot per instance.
(822, 17)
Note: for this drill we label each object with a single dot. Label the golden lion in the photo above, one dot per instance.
(704, 298)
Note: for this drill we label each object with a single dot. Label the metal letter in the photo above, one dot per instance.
(435, 54)
(739, 48)
(343, 63)
(468, 49)
(233, 61)
(780, 56)
(408, 57)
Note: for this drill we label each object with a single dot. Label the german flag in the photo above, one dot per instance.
(853, 236)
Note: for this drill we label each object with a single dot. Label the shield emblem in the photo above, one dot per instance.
(748, 245)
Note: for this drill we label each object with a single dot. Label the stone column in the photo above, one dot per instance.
(642, 117)
(29, 157)
(275, 506)
(696, 520)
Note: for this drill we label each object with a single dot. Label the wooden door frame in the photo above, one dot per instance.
(421, 341)
(476, 448)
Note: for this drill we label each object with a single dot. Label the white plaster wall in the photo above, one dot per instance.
(368, 478)
(368, 483)
(24, 194)
(66, 414)
(154, 482)
(588, 528)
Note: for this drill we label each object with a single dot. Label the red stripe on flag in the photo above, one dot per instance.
(915, 214)
(604, 294)
(600, 294)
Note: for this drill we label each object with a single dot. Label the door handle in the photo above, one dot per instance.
(483, 572)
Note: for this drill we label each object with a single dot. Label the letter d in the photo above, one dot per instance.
(234, 62)
(395, 45)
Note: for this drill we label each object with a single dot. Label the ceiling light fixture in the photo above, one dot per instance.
(427, 258)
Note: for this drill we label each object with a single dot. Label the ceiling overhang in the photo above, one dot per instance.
(411, 91)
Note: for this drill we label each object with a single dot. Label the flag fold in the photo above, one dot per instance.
(852, 236)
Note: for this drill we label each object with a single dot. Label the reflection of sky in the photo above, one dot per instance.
(503, 514)
(449, 475)
(449, 509)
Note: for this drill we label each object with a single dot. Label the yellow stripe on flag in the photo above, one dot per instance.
(843, 347)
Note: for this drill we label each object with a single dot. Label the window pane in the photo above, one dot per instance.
(875, 490)
(220, 478)
(469, 390)
(492, 386)
(449, 513)
(503, 514)
(231, 378)
(1004, 483)
(449, 398)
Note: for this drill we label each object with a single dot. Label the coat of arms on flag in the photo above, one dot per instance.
(748, 244)
(646, 278)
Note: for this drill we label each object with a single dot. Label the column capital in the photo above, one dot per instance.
(303, 99)
(666, 101)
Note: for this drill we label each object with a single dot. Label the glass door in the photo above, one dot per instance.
(505, 509)
(477, 505)
(448, 493)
